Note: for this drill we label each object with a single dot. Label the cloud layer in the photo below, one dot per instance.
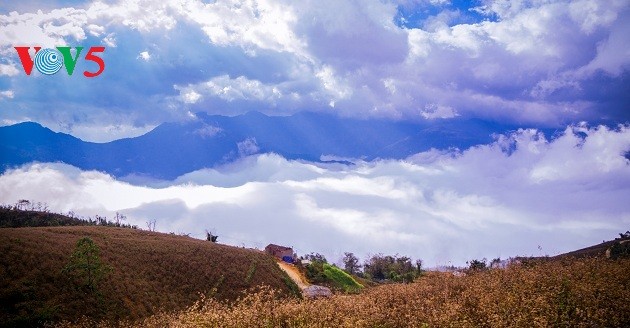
(508, 198)
(532, 62)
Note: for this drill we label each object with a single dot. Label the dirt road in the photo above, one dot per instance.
(294, 274)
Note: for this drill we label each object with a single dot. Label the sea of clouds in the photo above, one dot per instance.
(524, 194)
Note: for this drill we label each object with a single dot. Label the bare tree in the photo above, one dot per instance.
(351, 263)
(151, 225)
(23, 204)
(119, 218)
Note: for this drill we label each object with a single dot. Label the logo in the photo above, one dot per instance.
(49, 61)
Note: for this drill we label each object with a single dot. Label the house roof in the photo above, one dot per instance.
(274, 246)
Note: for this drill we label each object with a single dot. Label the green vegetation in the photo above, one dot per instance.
(392, 268)
(292, 286)
(340, 279)
(86, 266)
(377, 269)
(31, 214)
(351, 263)
(620, 249)
(477, 265)
(314, 271)
(250, 272)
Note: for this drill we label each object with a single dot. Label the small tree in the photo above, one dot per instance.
(119, 219)
(495, 263)
(151, 225)
(315, 270)
(477, 265)
(351, 263)
(315, 257)
(419, 265)
(85, 264)
(211, 237)
(23, 204)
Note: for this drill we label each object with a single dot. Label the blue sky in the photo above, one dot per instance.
(530, 62)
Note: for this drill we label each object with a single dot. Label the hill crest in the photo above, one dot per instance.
(213, 140)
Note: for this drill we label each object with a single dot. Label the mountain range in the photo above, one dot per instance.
(173, 149)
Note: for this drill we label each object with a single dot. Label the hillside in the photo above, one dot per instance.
(571, 292)
(599, 250)
(150, 272)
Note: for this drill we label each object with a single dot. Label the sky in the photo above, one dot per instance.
(543, 63)
(532, 62)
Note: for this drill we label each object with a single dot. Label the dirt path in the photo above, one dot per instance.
(294, 274)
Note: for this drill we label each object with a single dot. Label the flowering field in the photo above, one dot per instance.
(566, 293)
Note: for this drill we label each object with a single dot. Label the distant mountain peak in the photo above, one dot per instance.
(171, 150)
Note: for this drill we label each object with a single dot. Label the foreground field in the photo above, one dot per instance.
(566, 293)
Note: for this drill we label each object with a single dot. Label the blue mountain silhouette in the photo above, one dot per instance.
(173, 149)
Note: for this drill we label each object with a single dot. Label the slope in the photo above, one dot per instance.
(151, 272)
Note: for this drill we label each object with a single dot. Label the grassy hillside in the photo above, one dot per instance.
(563, 293)
(150, 272)
(340, 279)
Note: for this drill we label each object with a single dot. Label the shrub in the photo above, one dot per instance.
(393, 268)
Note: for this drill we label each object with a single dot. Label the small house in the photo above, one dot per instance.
(281, 252)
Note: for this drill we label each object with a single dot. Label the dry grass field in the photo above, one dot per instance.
(150, 272)
(564, 293)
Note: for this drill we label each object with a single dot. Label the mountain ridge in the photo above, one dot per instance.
(173, 149)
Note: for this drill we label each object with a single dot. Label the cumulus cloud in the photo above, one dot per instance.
(145, 55)
(503, 199)
(522, 61)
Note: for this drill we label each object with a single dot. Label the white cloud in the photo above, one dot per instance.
(208, 131)
(43, 29)
(432, 111)
(251, 24)
(229, 89)
(247, 147)
(530, 62)
(8, 94)
(613, 54)
(591, 14)
(190, 96)
(502, 199)
(8, 70)
(333, 85)
(110, 40)
(107, 132)
(144, 55)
